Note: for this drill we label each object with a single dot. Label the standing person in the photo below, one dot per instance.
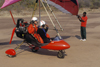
(83, 21)
(33, 37)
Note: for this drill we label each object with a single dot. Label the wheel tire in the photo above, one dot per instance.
(35, 49)
(60, 54)
(10, 56)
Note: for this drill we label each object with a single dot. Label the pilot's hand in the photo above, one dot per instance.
(50, 39)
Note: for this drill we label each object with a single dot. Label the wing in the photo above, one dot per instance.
(66, 6)
(9, 2)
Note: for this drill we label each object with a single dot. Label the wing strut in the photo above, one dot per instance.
(54, 15)
(50, 19)
(35, 8)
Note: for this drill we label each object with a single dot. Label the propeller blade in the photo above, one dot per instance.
(12, 35)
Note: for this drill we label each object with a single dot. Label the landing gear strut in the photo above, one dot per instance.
(35, 49)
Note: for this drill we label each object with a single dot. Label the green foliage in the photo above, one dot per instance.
(93, 4)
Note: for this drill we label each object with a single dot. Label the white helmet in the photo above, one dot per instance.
(34, 19)
(42, 22)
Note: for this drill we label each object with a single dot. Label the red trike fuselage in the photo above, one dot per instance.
(57, 45)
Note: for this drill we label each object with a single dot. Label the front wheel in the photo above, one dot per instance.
(10, 56)
(61, 54)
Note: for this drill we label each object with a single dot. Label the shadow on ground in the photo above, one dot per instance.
(65, 37)
(13, 42)
(18, 41)
(40, 51)
(77, 36)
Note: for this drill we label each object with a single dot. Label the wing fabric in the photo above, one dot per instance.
(66, 6)
(9, 2)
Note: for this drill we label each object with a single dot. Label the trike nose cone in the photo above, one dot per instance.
(10, 52)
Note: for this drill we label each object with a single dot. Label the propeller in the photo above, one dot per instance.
(13, 28)
(12, 35)
(17, 26)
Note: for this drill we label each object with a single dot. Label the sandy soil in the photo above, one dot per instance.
(80, 54)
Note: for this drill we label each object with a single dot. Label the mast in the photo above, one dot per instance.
(39, 11)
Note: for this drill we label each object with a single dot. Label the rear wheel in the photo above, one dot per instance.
(61, 54)
(35, 49)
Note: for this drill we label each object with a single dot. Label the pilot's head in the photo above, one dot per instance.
(34, 20)
(42, 23)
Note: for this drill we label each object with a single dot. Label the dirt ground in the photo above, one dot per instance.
(80, 54)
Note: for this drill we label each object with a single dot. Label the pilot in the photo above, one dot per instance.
(42, 31)
(32, 30)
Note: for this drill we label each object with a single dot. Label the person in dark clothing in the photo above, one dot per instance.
(42, 31)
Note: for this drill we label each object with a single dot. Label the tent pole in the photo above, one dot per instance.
(35, 8)
(51, 19)
(54, 15)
